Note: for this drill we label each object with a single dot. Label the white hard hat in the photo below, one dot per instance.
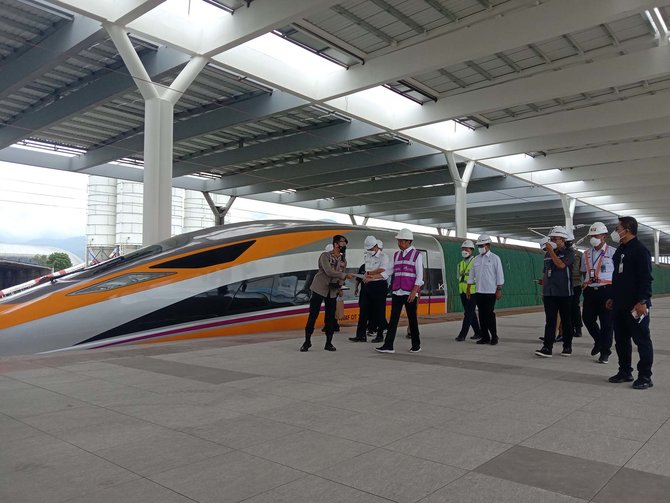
(468, 244)
(559, 232)
(380, 244)
(483, 239)
(370, 242)
(597, 228)
(405, 234)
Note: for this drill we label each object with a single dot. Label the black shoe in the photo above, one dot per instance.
(408, 336)
(384, 349)
(336, 329)
(358, 339)
(541, 338)
(483, 341)
(595, 351)
(330, 347)
(494, 342)
(643, 383)
(544, 352)
(559, 338)
(377, 340)
(621, 377)
(476, 337)
(603, 359)
(460, 338)
(417, 350)
(566, 352)
(305, 347)
(372, 333)
(578, 333)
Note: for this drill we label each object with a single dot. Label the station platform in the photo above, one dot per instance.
(249, 418)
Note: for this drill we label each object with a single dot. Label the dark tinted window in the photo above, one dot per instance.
(207, 258)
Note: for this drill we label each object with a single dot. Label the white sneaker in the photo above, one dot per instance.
(384, 350)
(415, 350)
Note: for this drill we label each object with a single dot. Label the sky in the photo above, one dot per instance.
(38, 202)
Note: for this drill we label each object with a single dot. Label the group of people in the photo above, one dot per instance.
(406, 273)
(615, 283)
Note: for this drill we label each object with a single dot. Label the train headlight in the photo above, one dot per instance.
(122, 281)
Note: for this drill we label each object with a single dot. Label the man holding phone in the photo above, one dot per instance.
(630, 301)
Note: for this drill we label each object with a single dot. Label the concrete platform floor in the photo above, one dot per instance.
(252, 419)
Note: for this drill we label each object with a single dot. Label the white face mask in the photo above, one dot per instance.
(594, 241)
(370, 253)
(552, 244)
(482, 250)
(615, 236)
(465, 253)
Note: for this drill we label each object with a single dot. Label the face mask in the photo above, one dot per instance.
(465, 253)
(370, 253)
(482, 250)
(615, 236)
(594, 241)
(552, 244)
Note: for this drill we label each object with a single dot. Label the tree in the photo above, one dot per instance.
(58, 261)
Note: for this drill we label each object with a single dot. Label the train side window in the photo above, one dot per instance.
(252, 295)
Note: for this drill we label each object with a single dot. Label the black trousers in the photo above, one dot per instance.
(314, 308)
(553, 305)
(594, 311)
(469, 316)
(626, 328)
(397, 302)
(486, 303)
(576, 312)
(372, 307)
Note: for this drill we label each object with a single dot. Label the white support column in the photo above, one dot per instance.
(157, 200)
(158, 130)
(440, 231)
(365, 220)
(353, 219)
(657, 246)
(460, 192)
(569, 204)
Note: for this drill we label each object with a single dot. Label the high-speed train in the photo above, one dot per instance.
(233, 279)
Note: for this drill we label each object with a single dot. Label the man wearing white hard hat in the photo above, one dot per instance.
(557, 291)
(372, 300)
(469, 304)
(487, 279)
(407, 283)
(598, 266)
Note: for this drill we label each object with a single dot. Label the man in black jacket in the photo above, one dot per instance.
(631, 300)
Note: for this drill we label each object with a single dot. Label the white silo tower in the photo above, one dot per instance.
(100, 219)
(128, 215)
(177, 211)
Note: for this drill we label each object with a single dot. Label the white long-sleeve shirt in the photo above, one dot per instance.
(486, 272)
(379, 261)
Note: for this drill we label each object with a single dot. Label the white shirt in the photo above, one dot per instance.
(419, 270)
(487, 272)
(380, 260)
(602, 264)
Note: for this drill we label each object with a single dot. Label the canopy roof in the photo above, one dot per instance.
(546, 97)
